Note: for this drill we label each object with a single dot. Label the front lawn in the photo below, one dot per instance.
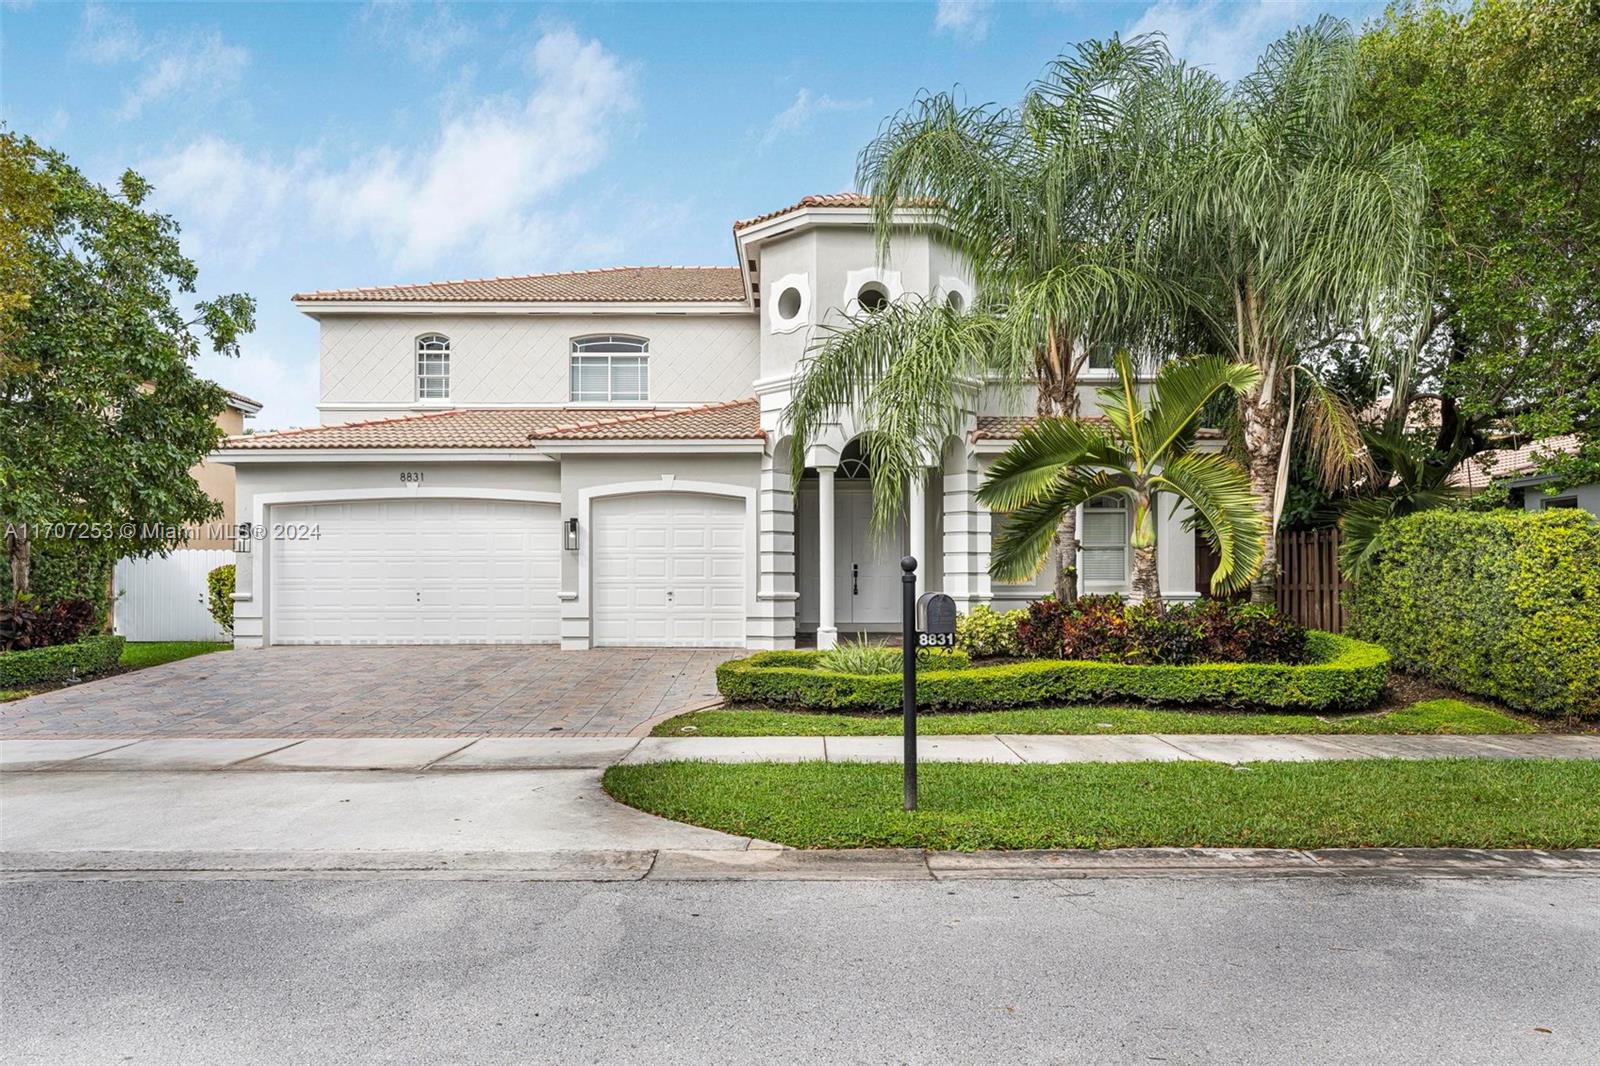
(1480, 803)
(1431, 716)
(155, 652)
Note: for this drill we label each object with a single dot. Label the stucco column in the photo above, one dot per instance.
(827, 632)
(917, 522)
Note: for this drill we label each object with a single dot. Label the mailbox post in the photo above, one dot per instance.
(928, 621)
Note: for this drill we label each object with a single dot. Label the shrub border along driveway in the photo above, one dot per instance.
(1342, 674)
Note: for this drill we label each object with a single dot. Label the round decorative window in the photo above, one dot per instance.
(789, 303)
(955, 302)
(873, 297)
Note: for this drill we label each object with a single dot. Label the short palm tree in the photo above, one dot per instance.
(1142, 448)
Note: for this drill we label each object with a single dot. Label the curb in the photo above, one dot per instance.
(786, 864)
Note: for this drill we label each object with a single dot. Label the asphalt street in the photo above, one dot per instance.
(1217, 969)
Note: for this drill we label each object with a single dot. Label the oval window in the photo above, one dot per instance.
(873, 297)
(789, 303)
(955, 302)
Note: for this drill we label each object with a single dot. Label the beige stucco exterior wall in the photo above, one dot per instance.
(217, 481)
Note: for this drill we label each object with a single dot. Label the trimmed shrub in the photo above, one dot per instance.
(1339, 674)
(1501, 604)
(1107, 629)
(219, 589)
(61, 662)
(985, 633)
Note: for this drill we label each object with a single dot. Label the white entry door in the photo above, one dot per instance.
(866, 589)
(416, 571)
(669, 570)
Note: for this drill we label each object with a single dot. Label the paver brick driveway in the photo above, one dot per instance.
(457, 690)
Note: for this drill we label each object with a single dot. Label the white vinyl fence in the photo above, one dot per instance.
(165, 599)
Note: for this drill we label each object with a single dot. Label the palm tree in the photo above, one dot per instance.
(1295, 225)
(1026, 197)
(1143, 447)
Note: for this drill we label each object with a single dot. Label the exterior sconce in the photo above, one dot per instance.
(571, 535)
(242, 539)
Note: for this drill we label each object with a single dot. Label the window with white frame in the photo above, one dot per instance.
(1104, 537)
(1102, 358)
(433, 367)
(610, 368)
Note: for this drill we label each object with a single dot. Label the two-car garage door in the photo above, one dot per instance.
(418, 571)
(667, 569)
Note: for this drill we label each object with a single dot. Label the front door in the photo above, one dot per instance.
(866, 588)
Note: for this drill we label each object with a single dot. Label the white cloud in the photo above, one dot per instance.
(1225, 38)
(485, 181)
(485, 177)
(964, 19)
(196, 65)
(204, 64)
(107, 35)
(798, 115)
(424, 34)
(223, 198)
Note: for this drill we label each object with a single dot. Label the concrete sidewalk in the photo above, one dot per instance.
(579, 753)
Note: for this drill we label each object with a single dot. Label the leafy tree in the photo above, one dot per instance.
(1504, 98)
(103, 415)
(1026, 195)
(1145, 447)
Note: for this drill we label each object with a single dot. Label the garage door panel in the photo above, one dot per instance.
(669, 569)
(486, 571)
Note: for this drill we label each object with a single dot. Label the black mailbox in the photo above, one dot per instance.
(936, 621)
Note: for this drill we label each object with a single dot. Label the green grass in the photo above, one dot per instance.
(968, 806)
(9, 694)
(1432, 716)
(155, 652)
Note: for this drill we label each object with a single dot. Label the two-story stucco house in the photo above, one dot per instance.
(601, 458)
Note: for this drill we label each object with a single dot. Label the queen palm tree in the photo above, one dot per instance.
(1143, 447)
(1024, 195)
(1296, 226)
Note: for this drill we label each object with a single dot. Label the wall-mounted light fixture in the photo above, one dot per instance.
(572, 534)
(241, 543)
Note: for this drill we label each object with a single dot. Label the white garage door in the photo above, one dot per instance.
(421, 571)
(669, 569)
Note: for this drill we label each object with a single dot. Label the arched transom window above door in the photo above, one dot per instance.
(610, 368)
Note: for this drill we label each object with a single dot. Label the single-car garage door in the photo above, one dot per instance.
(418, 571)
(669, 569)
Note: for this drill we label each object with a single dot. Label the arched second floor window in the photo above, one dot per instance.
(610, 368)
(433, 367)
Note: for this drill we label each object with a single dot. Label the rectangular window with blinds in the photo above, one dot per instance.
(1104, 536)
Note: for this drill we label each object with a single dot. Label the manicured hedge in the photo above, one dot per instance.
(1340, 674)
(1503, 604)
(61, 662)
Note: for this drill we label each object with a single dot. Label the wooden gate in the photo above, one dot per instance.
(1310, 587)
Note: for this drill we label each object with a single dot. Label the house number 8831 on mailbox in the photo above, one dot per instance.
(936, 621)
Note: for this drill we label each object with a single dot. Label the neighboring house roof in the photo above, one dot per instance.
(240, 402)
(521, 427)
(644, 284)
(1010, 427)
(1509, 463)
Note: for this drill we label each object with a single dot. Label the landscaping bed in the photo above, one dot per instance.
(59, 662)
(1477, 803)
(103, 662)
(1439, 716)
(1338, 674)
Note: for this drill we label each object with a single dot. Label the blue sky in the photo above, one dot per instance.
(327, 145)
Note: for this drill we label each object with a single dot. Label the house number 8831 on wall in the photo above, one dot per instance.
(410, 477)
